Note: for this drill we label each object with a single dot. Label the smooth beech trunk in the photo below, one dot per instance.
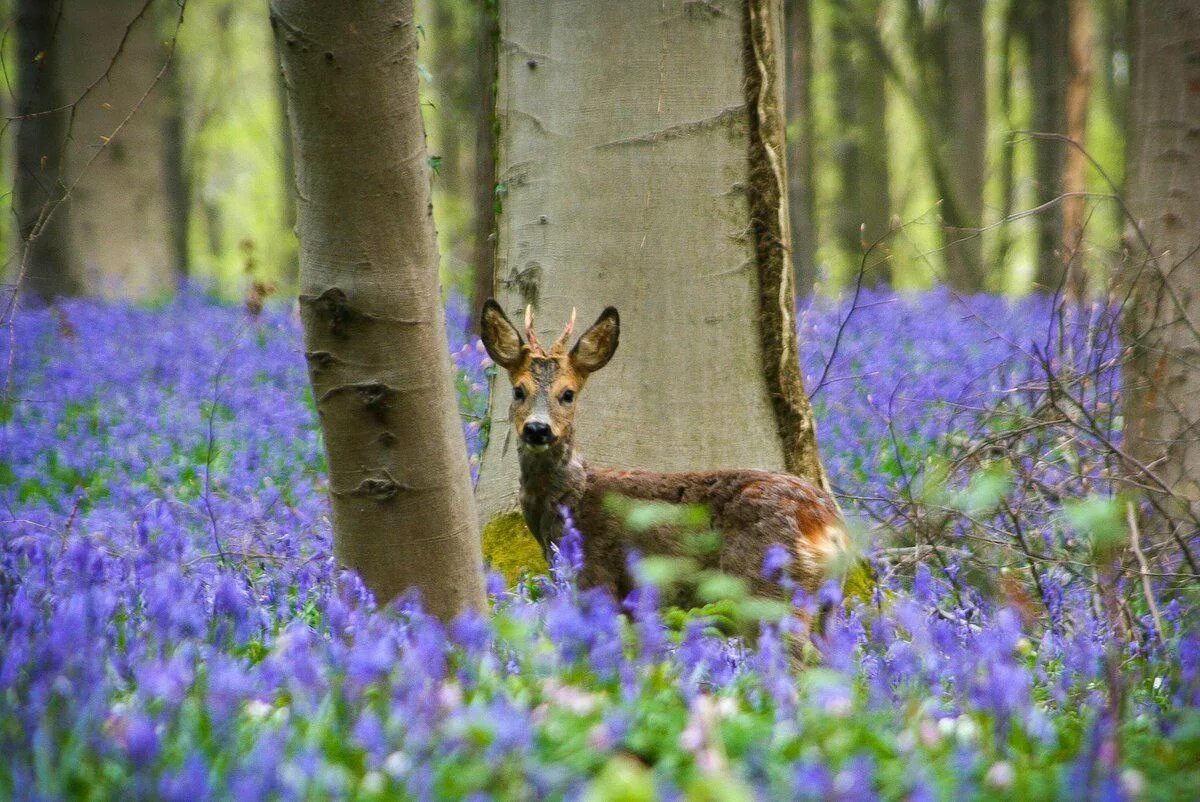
(374, 327)
(1162, 319)
(642, 164)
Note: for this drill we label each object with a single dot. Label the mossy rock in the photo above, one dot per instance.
(509, 547)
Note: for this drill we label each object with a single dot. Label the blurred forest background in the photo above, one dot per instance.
(914, 118)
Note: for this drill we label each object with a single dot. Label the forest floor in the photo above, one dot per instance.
(172, 624)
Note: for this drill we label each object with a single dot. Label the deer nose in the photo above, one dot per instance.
(537, 433)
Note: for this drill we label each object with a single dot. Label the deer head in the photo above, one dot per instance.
(546, 385)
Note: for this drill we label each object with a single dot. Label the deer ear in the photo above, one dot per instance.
(500, 337)
(598, 344)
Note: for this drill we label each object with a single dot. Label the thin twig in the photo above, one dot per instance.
(1143, 570)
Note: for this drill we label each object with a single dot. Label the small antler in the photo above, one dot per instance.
(564, 339)
(534, 346)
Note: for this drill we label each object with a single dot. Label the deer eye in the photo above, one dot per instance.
(567, 396)
(518, 393)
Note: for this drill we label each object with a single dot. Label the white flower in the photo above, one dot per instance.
(966, 730)
(373, 783)
(258, 709)
(1132, 781)
(1000, 776)
(396, 764)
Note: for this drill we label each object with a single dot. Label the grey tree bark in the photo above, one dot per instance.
(374, 327)
(1162, 319)
(801, 202)
(642, 165)
(121, 218)
(45, 261)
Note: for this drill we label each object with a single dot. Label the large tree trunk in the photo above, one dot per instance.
(964, 119)
(1162, 373)
(801, 202)
(1044, 25)
(642, 161)
(484, 261)
(374, 326)
(864, 212)
(46, 260)
(120, 213)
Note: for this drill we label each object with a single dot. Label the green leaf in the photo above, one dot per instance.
(715, 585)
(623, 779)
(1099, 518)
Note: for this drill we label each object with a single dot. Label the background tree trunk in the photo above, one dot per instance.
(51, 267)
(1074, 181)
(374, 326)
(642, 165)
(119, 208)
(1044, 29)
(800, 144)
(176, 166)
(964, 117)
(1007, 164)
(483, 264)
(1162, 372)
(865, 203)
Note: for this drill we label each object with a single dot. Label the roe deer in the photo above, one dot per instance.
(751, 509)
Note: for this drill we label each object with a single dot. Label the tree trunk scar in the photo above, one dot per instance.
(733, 115)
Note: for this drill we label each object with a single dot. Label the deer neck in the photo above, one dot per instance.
(550, 477)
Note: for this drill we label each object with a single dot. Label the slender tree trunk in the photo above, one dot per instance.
(120, 214)
(964, 117)
(374, 326)
(1044, 25)
(1162, 373)
(1006, 169)
(46, 259)
(176, 169)
(453, 79)
(484, 262)
(623, 158)
(865, 204)
(800, 144)
(1074, 181)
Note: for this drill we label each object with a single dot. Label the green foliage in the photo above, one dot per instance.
(1100, 519)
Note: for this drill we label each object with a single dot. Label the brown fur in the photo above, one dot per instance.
(751, 509)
